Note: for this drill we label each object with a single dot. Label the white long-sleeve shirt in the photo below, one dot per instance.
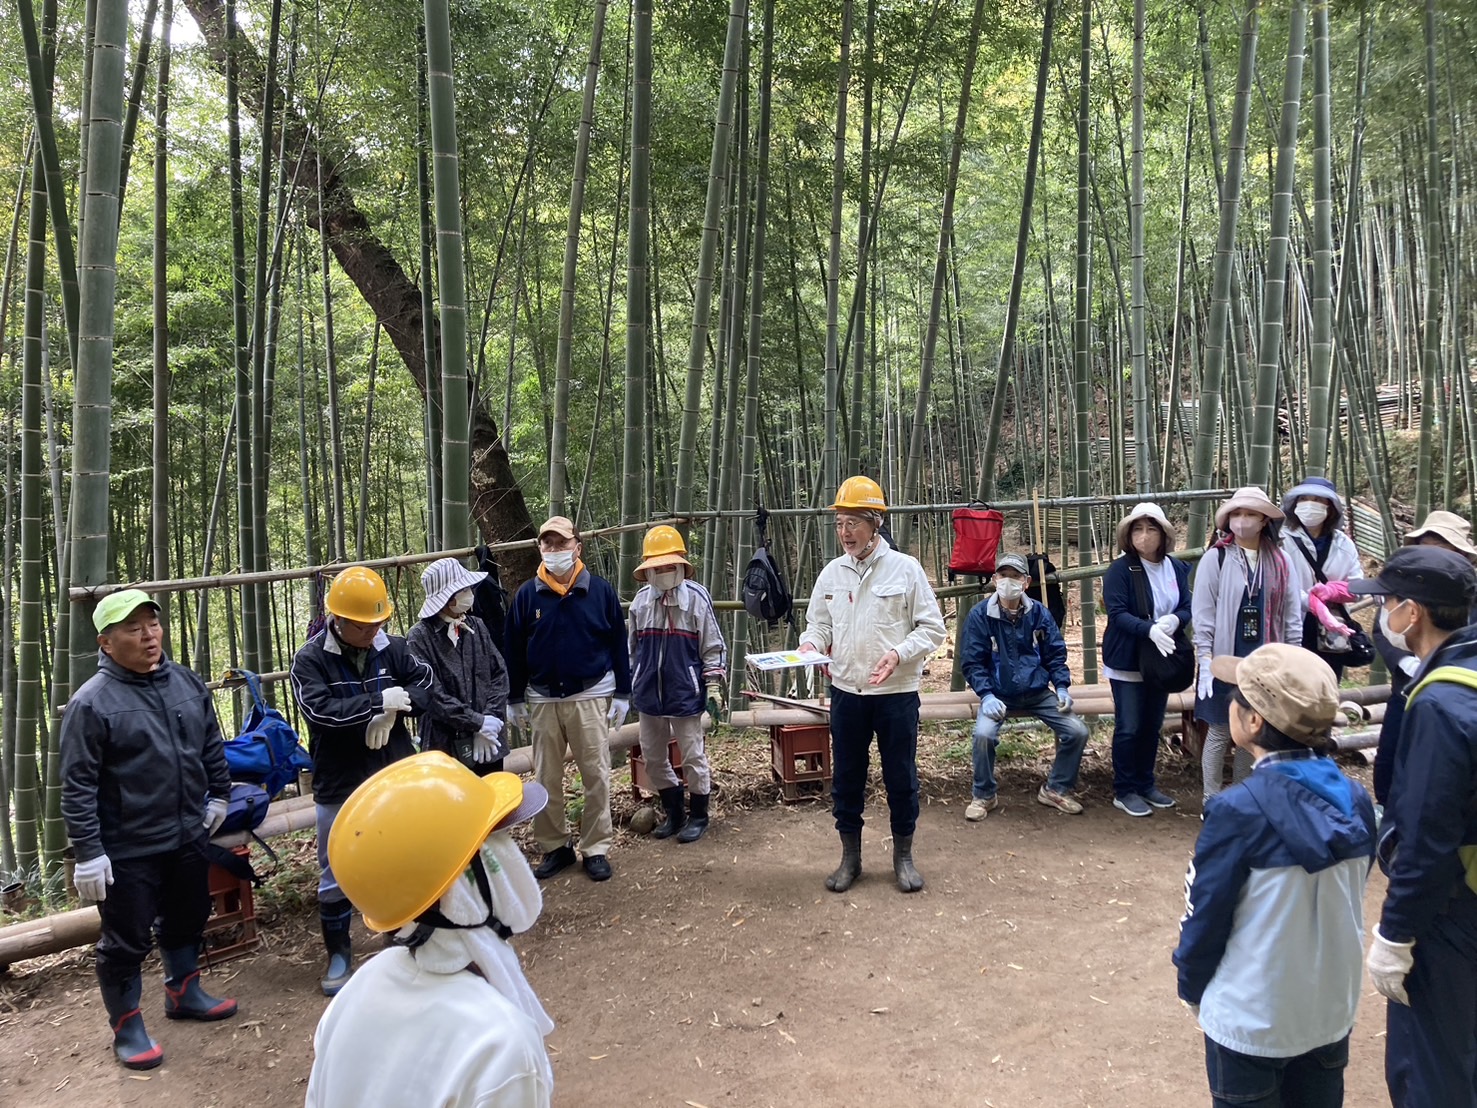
(860, 610)
(401, 1034)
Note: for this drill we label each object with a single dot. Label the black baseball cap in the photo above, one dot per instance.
(1428, 575)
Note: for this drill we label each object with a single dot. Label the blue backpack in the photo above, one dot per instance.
(267, 752)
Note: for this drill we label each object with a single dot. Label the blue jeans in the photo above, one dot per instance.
(1311, 1080)
(1071, 738)
(1138, 714)
(1431, 1046)
(893, 718)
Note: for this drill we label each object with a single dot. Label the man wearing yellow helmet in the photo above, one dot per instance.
(353, 683)
(445, 1016)
(676, 647)
(874, 611)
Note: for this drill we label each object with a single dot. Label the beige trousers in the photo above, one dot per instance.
(580, 726)
(657, 732)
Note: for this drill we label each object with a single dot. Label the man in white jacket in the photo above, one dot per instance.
(875, 613)
(445, 1016)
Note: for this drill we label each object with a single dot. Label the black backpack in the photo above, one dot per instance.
(490, 599)
(766, 596)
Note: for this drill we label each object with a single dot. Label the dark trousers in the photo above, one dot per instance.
(1138, 716)
(172, 888)
(1311, 1080)
(1431, 1046)
(893, 718)
(1384, 756)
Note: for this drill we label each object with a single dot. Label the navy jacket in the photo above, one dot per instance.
(562, 645)
(1432, 809)
(338, 703)
(1127, 629)
(140, 752)
(1013, 660)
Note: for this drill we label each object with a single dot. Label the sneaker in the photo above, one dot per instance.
(1158, 799)
(597, 868)
(979, 808)
(1133, 804)
(1058, 801)
(555, 861)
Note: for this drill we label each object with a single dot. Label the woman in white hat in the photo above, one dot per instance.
(1147, 594)
(469, 698)
(1244, 596)
(1318, 551)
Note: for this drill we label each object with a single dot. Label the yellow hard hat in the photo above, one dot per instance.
(861, 493)
(663, 546)
(359, 593)
(408, 832)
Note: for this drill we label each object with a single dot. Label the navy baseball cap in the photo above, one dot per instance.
(1428, 575)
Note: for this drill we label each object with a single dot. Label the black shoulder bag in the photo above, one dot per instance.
(1169, 673)
(1317, 638)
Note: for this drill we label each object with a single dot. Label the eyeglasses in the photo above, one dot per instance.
(849, 526)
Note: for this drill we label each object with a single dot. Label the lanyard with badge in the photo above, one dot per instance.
(1249, 619)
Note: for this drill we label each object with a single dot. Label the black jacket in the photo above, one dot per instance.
(471, 681)
(338, 704)
(140, 754)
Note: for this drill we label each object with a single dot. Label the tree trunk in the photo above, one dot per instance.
(1435, 272)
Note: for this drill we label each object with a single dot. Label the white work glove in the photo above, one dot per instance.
(1206, 685)
(1163, 640)
(215, 814)
(395, 699)
(619, 710)
(492, 727)
(482, 748)
(992, 707)
(92, 878)
(518, 714)
(1388, 964)
(378, 731)
(1063, 700)
(1170, 623)
(1410, 663)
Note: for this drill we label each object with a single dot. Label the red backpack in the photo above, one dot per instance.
(976, 541)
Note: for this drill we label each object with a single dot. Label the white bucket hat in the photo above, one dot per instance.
(442, 580)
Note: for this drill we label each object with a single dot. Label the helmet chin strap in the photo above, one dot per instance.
(432, 919)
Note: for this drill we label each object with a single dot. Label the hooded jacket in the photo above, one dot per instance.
(338, 702)
(860, 610)
(1432, 808)
(140, 754)
(675, 650)
(1272, 940)
(1015, 660)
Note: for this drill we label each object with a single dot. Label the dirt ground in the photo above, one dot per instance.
(1033, 969)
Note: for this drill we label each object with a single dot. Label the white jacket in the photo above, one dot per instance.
(401, 1034)
(1342, 564)
(860, 610)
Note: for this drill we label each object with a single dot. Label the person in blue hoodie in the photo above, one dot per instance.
(1423, 954)
(1013, 656)
(1272, 938)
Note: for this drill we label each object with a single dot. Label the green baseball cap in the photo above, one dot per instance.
(118, 606)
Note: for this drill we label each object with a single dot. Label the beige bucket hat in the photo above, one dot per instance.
(1450, 528)
(1249, 497)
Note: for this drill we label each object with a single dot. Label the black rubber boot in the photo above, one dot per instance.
(340, 947)
(909, 880)
(672, 801)
(851, 863)
(184, 999)
(131, 1042)
(697, 822)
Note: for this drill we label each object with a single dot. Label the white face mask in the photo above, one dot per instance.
(1394, 638)
(1247, 527)
(1010, 588)
(1311, 513)
(664, 580)
(558, 562)
(461, 603)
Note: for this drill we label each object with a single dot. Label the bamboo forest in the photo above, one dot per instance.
(291, 284)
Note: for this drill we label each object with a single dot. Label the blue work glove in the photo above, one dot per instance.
(992, 707)
(1063, 700)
